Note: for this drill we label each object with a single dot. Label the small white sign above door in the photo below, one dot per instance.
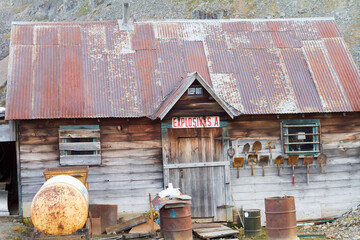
(195, 122)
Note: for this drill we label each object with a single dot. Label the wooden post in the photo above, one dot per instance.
(151, 214)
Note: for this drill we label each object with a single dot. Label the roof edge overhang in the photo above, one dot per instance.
(182, 20)
(177, 93)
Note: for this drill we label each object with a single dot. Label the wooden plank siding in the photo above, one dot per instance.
(328, 194)
(131, 160)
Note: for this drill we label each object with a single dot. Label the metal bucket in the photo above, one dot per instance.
(176, 223)
(281, 218)
(60, 206)
(252, 222)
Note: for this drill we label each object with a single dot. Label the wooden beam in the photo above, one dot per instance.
(199, 164)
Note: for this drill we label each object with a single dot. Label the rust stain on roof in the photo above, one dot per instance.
(94, 69)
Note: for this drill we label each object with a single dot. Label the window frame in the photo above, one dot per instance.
(91, 132)
(316, 133)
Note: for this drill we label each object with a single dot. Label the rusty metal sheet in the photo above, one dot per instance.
(171, 64)
(89, 70)
(19, 92)
(237, 26)
(144, 37)
(304, 90)
(285, 39)
(326, 80)
(169, 30)
(106, 213)
(69, 35)
(327, 29)
(195, 59)
(249, 40)
(248, 83)
(273, 81)
(345, 69)
(305, 30)
(22, 35)
(278, 26)
(70, 82)
(45, 99)
(145, 65)
(46, 35)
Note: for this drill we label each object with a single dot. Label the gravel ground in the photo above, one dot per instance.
(345, 227)
(14, 228)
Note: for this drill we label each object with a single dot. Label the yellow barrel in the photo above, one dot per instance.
(60, 206)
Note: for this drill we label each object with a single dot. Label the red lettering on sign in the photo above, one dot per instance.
(216, 124)
(193, 122)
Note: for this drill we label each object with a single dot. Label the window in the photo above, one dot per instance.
(301, 137)
(80, 145)
(195, 91)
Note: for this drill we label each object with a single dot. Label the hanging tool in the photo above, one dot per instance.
(252, 160)
(264, 160)
(279, 160)
(231, 150)
(238, 162)
(321, 159)
(257, 147)
(270, 145)
(293, 160)
(246, 149)
(308, 159)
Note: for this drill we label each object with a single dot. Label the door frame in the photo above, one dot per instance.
(225, 162)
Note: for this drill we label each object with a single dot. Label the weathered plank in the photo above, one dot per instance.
(125, 145)
(38, 156)
(80, 146)
(38, 140)
(131, 153)
(217, 232)
(80, 133)
(72, 160)
(43, 148)
(196, 165)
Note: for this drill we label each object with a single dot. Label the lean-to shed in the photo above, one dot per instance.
(176, 101)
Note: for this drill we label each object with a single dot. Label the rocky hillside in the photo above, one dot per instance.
(346, 13)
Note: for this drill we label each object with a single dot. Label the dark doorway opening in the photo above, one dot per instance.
(8, 175)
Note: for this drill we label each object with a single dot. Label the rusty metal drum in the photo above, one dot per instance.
(60, 206)
(281, 218)
(176, 223)
(252, 222)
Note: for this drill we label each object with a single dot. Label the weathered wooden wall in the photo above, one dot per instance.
(131, 160)
(132, 163)
(328, 194)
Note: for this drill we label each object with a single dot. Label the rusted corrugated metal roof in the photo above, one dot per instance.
(94, 69)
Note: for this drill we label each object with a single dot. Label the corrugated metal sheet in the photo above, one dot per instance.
(325, 79)
(87, 70)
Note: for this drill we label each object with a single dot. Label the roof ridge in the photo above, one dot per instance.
(183, 21)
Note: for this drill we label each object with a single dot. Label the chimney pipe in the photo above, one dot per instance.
(126, 14)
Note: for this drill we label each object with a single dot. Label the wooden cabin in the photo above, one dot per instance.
(176, 101)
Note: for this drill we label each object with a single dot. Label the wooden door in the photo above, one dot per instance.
(196, 167)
